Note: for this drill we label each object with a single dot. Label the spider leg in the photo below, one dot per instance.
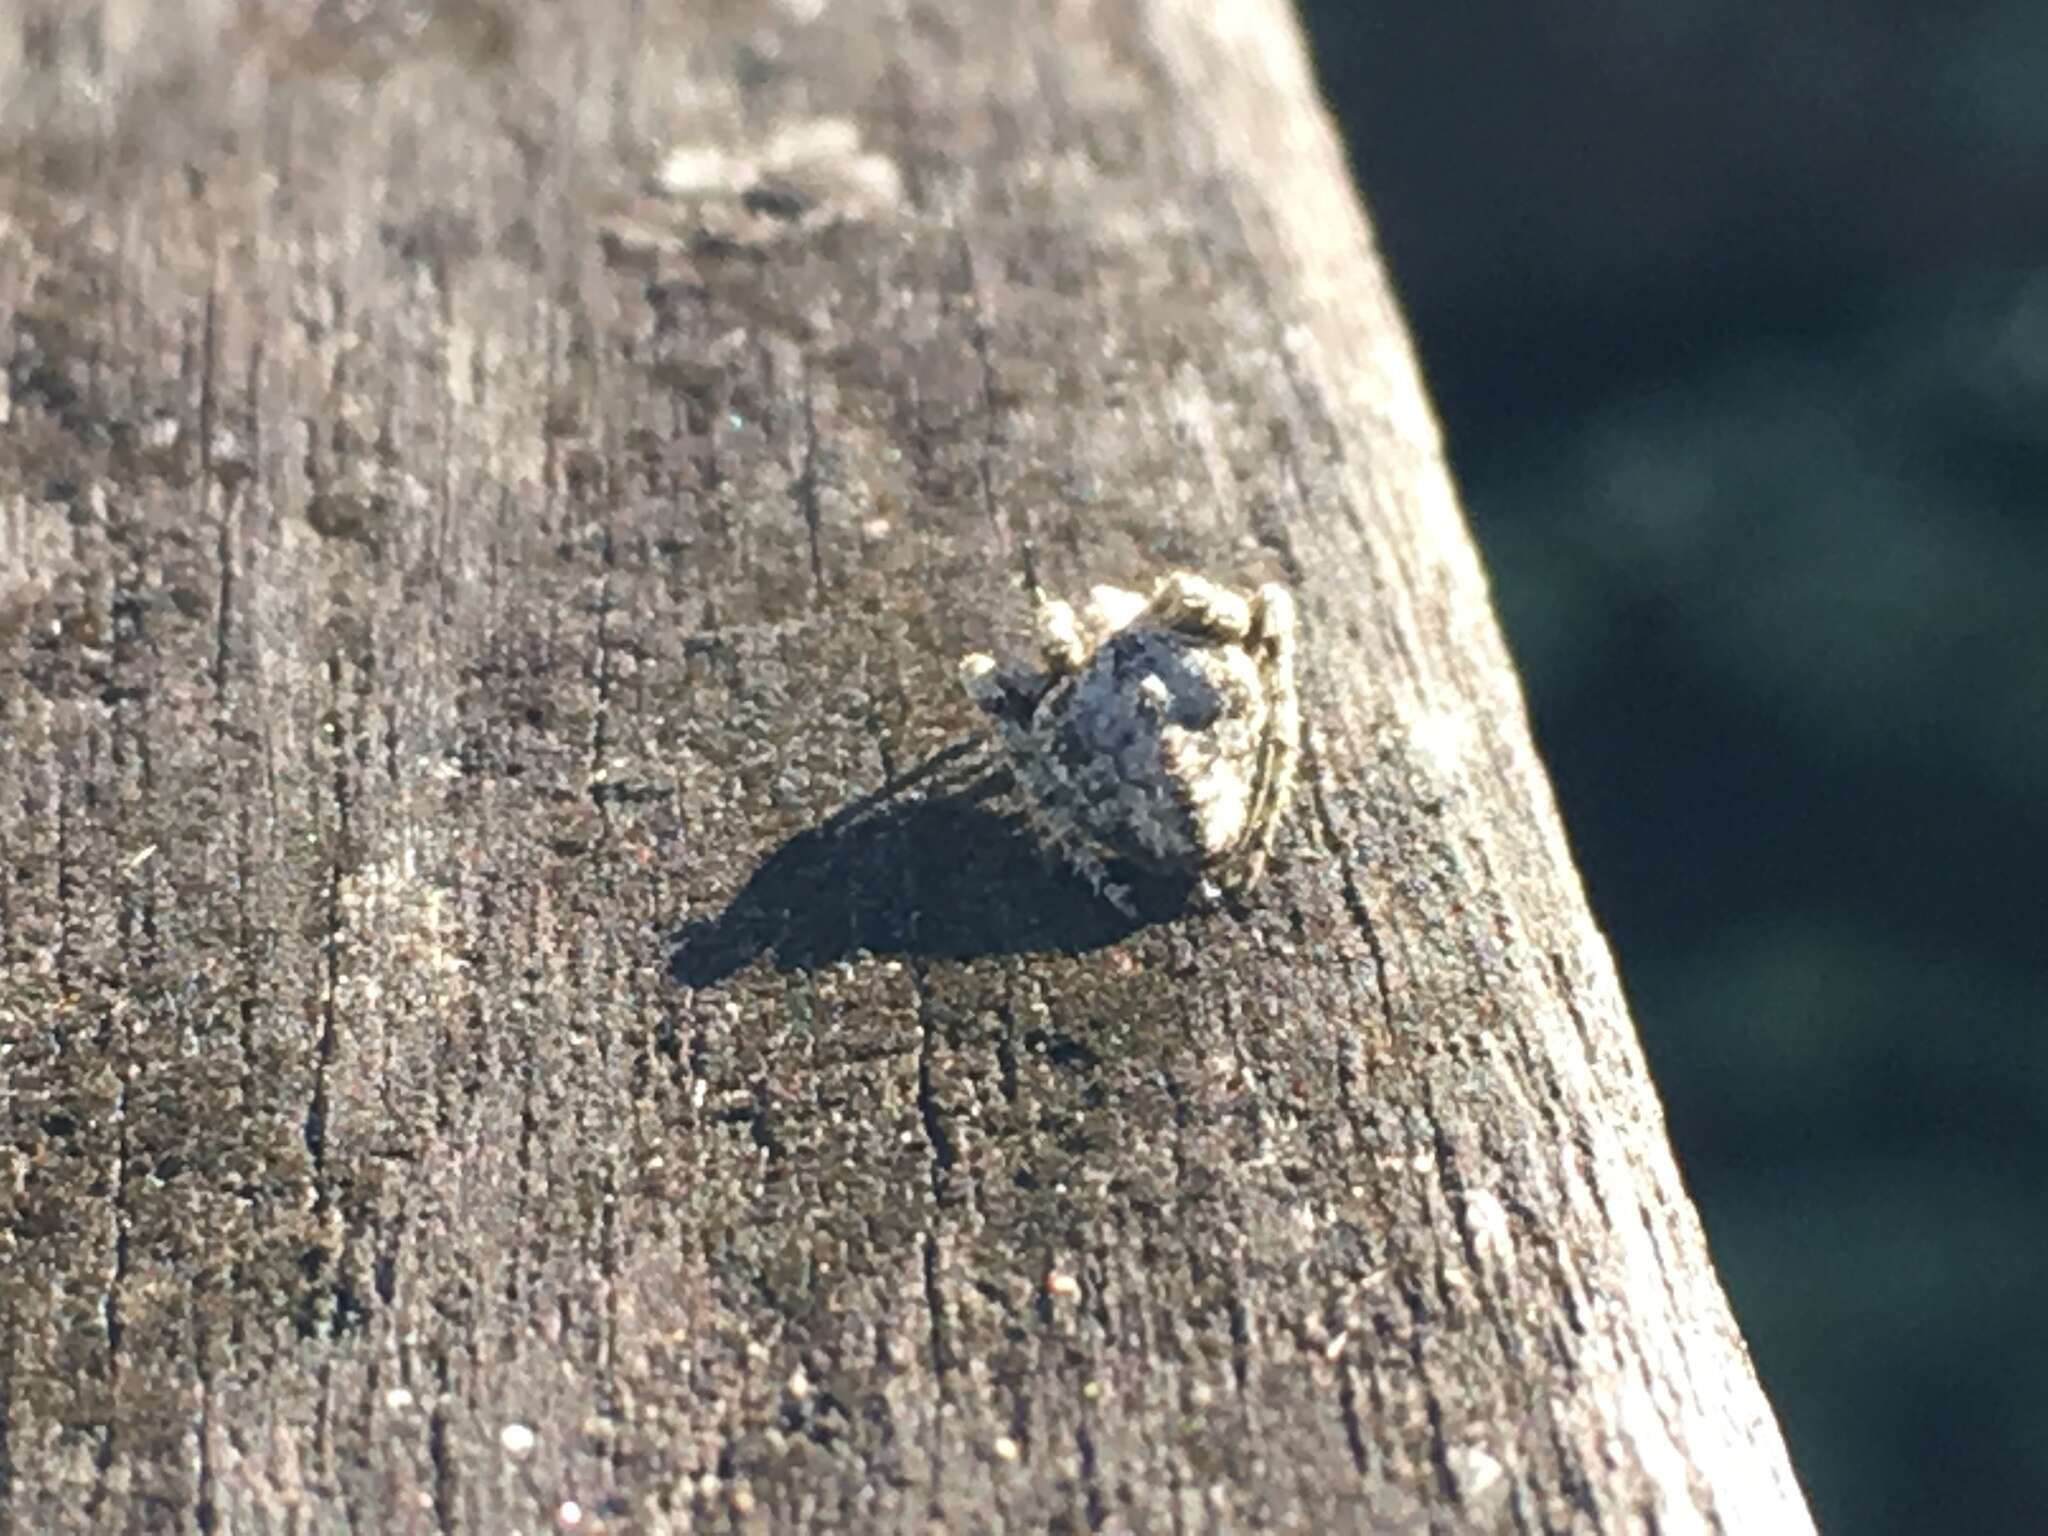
(1193, 605)
(1060, 640)
(1110, 609)
(1273, 632)
(1272, 613)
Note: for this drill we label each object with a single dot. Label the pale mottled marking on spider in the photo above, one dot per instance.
(1163, 731)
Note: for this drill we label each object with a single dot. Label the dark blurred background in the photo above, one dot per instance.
(1737, 320)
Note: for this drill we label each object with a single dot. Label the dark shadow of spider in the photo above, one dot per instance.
(921, 866)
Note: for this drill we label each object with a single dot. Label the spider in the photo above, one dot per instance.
(1163, 731)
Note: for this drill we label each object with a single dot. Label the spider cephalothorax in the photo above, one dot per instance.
(1161, 731)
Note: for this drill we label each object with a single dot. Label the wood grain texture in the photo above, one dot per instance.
(523, 999)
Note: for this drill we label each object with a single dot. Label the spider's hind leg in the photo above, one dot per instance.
(1273, 630)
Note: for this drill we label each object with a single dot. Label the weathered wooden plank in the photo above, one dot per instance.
(522, 997)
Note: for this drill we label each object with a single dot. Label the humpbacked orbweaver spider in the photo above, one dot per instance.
(1164, 731)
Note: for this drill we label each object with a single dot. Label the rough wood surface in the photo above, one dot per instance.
(523, 1003)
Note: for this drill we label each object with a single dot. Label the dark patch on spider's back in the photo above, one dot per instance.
(1097, 711)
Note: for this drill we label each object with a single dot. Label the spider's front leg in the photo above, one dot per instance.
(1194, 605)
(1273, 622)
(1110, 609)
(1060, 640)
